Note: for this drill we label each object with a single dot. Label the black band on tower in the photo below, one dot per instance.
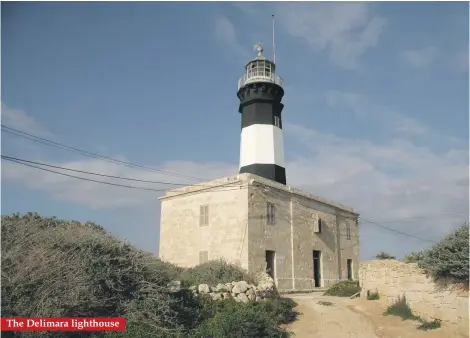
(270, 171)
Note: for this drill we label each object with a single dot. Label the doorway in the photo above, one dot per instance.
(317, 268)
(270, 256)
(350, 273)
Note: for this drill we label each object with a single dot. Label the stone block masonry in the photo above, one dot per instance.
(427, 299)
(305, 241)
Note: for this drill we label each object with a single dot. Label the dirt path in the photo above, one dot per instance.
(336, 320)
(356, 318)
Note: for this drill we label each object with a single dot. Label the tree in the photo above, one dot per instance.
(384, 255)
(449, 257)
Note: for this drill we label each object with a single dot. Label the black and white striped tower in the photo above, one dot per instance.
(260, 92)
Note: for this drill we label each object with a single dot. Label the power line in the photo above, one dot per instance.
(399, 232)
(45, 141)
(423, 217)
(96, 174)
(113, 184)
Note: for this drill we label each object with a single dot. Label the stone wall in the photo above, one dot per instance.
(427, 299)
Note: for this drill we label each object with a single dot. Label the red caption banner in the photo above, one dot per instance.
(63, 324)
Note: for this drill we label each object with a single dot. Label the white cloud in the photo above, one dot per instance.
(361, 107)
(18, 119)
(420, 58)
(385, 182)
(224, 31)
(344, 30)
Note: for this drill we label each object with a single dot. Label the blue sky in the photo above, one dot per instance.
(375, 117)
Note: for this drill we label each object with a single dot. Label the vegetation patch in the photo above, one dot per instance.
(449, 257)
(414, 257)
(213, 273)
(324, 303)
(56, 268)
(374, 295)
(429, 325)
(229, 319)
(401, 309)
(384, 255)
(343, 289)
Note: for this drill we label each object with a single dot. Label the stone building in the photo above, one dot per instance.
(254, 218)
(304, 240)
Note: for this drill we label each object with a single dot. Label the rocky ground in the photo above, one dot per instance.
(358, 318)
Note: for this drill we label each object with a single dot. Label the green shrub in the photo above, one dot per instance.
(343, 289)
(431, 325)
(414, 257)
(384, 255)
(281, 309)
(449, 258)
(214, 272)
(373, 295)
(235, 320)
(401, 309)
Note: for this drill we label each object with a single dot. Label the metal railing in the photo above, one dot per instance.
(253, 77)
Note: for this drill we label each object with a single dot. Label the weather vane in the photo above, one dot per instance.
(259, 48)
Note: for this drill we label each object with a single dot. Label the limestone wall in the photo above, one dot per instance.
(184, 241)
(293, 239)
(391, 278)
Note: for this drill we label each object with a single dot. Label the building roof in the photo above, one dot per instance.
(247, 179)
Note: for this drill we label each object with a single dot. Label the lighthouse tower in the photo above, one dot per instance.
(260, 93)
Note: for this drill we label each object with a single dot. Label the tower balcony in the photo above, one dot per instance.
(259, 77)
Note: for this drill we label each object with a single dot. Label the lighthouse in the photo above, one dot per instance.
(261, 145)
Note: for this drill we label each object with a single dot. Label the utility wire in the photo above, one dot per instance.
(399, 232)
(113, 184)
(423, 217)
(45, 141)
(97, 174)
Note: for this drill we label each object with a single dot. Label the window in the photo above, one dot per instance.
(317, 223)
(203, 256)
(204, 215)
(348, 231)
(277, 121)
(270, 219)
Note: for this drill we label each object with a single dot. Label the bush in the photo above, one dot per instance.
(281, 309)
(401, 309)
(235, 320)
(214, 272)
(373, 295)
(414, 257)
(64, 268)
(343, 289)
(449, 258)
(384, 255)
